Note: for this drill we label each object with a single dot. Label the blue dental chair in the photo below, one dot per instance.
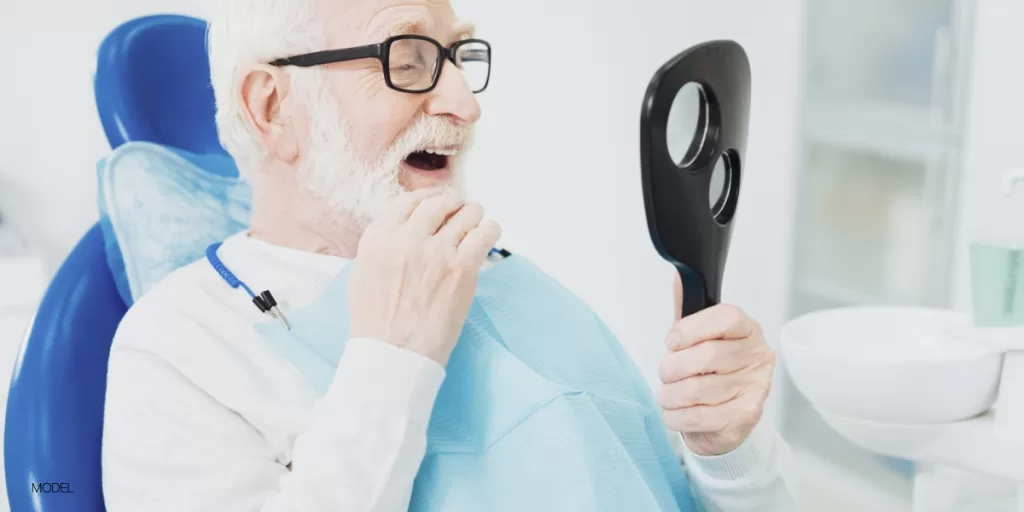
(151, 84)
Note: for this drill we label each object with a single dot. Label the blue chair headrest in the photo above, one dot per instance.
(153, 84)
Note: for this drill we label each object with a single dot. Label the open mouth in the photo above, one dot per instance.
(431, 159)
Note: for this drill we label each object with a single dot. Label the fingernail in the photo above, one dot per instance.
(673, 340)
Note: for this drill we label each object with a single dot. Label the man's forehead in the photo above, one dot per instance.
(458, 28)
(369, 21)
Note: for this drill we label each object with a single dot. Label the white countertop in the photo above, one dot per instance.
(22, 281)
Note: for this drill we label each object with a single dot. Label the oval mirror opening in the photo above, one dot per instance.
(723, 187)
(718, 192)
(687, 128)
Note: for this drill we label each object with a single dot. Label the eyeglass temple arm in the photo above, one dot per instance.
(374, 51)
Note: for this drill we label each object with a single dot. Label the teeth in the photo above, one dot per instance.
(444, 152)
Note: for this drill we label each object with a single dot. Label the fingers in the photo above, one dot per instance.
(432, 213)
(403, 207)
(711, 389)
(464, 221)
(478, 242)
(720, 322)
(717, 375)
(716, 419)
(712, 357)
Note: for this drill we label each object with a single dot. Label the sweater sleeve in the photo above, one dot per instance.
(759, 475)
(169, 446)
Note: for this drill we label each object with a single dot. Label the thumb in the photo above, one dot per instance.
(677, 294)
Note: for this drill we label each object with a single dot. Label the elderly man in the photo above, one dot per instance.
(449, 387)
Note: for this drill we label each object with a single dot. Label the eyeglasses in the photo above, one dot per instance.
(412, 63)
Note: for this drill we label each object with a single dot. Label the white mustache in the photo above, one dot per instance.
(428, 132)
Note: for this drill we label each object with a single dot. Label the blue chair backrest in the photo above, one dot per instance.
(152, 84)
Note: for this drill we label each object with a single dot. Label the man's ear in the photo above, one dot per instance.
(263, 91)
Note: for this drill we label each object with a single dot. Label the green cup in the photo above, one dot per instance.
(997, 283)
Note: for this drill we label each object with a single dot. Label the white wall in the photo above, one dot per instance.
(50, 136)
(557, 157)
(558, 160)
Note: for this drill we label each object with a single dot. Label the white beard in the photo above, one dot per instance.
(333, 173)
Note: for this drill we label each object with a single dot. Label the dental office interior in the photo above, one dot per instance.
(877, 239)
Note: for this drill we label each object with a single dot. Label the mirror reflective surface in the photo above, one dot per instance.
(718, 192)
(687, 124)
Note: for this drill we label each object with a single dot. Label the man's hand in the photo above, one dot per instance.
(416, 272)
(716, 376)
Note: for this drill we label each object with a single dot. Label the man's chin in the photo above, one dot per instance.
(362, 201)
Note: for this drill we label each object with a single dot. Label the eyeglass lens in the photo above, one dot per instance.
(412, 64)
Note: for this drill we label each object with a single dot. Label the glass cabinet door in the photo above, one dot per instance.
(879, 50)
(881, 123)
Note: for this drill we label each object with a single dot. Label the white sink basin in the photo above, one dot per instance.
(890, 364)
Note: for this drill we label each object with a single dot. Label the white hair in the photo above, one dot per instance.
(244, 33)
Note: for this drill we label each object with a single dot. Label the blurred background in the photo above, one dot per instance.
(879, 131)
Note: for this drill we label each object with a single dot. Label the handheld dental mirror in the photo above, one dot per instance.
(693, 140)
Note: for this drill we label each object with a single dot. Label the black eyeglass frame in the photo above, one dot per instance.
(382, 52)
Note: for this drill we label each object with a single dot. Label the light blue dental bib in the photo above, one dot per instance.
(541, 409)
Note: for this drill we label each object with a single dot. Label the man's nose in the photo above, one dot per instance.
(453, 96)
